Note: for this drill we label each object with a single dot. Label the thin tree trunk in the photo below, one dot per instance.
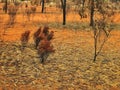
(92, 13)
(6, 6)
(62, 4)
(43, 6)
(64, 12)
(83, 3)
(95, 46)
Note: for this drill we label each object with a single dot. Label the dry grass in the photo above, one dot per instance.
(65, 38)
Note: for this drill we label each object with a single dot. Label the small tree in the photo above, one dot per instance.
(101, 34)
(101, 28)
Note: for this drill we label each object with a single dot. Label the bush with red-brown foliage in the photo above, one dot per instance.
(42, 39)
(46, 30)
(44, 49)
(36, 37)
(50, 35)
(42, 34)
(44, 45)
(24, 38)
(37, 33)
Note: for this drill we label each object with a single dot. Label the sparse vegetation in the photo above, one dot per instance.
(43, 54)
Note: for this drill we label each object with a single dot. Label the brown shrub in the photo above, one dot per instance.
(44, 44)
(24, 38)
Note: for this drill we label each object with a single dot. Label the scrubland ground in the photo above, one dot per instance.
(71, 67)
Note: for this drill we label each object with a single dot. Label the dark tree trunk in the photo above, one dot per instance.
(6, 6)
(95, 46)
(64, 12)
(62, 4)
(43, 6)
(92, 13)
(83, 3)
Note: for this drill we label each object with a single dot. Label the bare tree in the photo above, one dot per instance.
(101, 28)
(100, 36)
(33, 10)
(28, 11)
(82, 9)
(12, 11)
